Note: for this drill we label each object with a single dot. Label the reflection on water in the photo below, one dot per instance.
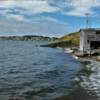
(29, 72)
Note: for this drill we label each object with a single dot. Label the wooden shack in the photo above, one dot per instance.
(89, 40)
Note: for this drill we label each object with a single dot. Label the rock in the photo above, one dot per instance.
(98, 58)
(15, 98)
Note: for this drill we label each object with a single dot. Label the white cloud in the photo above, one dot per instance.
(6, 3)
(41, 6)
(30, 6)
(35, 6)
(55, 20)
(73, 7)
(16, 17)
(41, 27)
(37, 22)
(81, 7)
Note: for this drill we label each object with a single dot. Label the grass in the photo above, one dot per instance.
(69, 40)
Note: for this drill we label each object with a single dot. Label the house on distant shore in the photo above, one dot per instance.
(89, 40)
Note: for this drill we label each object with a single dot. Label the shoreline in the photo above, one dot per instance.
(82, 92)
(79, 92)
(86, 58)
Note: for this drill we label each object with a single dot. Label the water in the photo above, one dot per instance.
(90, 80)
(30, 72)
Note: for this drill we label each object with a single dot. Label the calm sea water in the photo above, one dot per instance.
(30, 72)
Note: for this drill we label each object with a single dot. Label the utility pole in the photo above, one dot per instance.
(87, 20)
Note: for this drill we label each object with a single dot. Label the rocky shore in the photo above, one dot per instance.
(87, 80)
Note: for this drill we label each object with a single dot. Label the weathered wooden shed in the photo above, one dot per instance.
(89, 40)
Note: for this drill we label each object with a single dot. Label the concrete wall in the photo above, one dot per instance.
(86, 36)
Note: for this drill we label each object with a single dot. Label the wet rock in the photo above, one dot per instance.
(15, 98)
(98, 58)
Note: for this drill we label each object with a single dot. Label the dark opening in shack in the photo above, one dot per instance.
(95, 44)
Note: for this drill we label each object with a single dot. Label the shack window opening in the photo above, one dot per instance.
(98, 32)
(88, 41)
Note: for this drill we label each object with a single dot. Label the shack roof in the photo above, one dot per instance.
(90, 29)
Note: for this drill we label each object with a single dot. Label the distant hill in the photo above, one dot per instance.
(69, 40)
(28, 38)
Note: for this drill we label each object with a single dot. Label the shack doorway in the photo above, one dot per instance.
(95, 44)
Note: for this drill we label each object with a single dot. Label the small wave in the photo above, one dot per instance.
(50, 74)
(33, 94)
(90, 78)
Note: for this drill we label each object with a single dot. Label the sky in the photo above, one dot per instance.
(47, 17)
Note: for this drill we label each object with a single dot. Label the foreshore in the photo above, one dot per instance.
(88, 81)
(87, 87)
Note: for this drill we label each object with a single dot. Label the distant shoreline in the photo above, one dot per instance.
(28, 38)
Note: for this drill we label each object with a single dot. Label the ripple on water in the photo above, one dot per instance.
(90, 79)
(28, 72)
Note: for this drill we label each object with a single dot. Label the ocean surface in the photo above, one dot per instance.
(31, 72)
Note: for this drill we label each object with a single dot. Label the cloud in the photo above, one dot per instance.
(41, 6)
(24, 7)
(35, 6)
(52, 19)
(81, 7)
(16, 17)
(67, 7)
(76, 7)
(43, 16)
(40, 26)
(6, 3)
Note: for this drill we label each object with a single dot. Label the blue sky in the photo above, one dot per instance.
(47, 17)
